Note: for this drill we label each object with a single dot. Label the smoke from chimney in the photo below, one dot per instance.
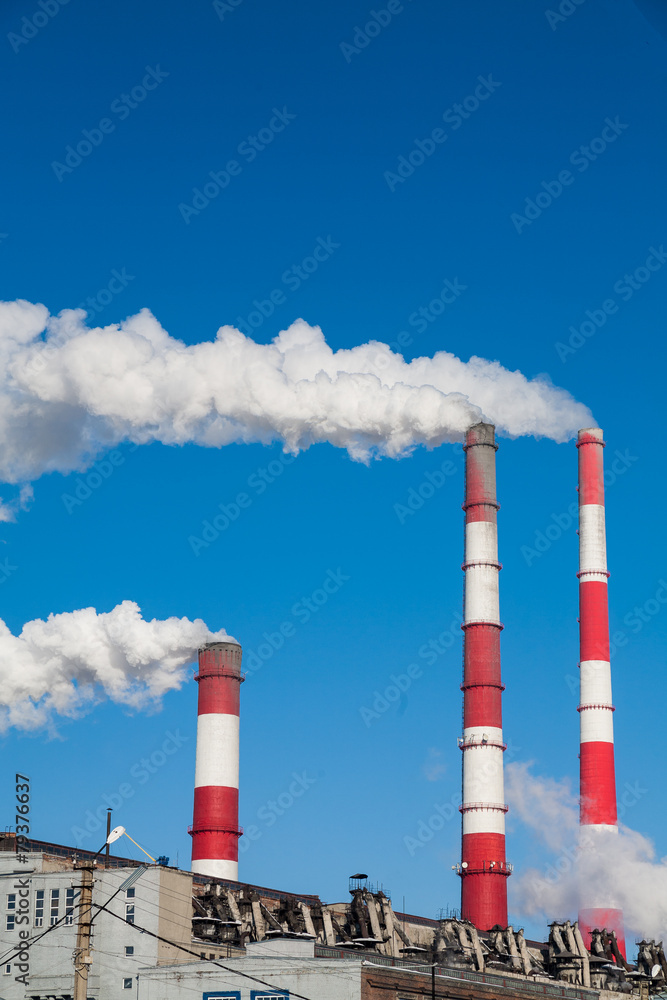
(65, 665)
(67, 396)
(624, 862)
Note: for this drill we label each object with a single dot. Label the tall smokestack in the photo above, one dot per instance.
(215, 826)
(597, 777)
(483, 868)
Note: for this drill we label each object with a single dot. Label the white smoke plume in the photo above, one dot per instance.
(68, 392)
(619, 868)
(63, 666)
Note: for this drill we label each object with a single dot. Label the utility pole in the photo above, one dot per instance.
(106, 851)
(82, 957)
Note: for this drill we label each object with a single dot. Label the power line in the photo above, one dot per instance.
(140, 963)
(152, 908)
(28, 944)
(189, 951)
(144, 930)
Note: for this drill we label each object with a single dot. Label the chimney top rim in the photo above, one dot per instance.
(226, 644)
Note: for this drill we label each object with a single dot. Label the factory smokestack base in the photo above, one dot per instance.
(215, 826)
(483, 868)
(597, 775)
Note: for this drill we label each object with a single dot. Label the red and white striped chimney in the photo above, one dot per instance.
(215, 826)
(596, 758)
(483, 868)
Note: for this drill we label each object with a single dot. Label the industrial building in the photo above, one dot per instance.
(77, 925)
(158, 933)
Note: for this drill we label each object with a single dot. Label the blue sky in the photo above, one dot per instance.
(327, 175)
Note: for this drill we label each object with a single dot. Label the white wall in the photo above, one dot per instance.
(318, 978)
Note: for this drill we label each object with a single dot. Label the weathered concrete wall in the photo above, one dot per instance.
(311, 977)
(175, 915)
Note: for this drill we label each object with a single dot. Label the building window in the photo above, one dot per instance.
(257, 995)
(55, 904)
(130, 893)
(127, 984)
(69, 906)
(7, 971)
(229, 995)
(129, 949)
(129, 912)
(39, 908)
(11, 911)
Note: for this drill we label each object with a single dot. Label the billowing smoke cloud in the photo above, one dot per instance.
(68, 392)
(63, 666)
(624, 865)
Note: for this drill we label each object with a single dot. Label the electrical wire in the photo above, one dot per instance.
(189, 951)
(145, 907)
(28, 944)
(152, 909)
(137, 902)
(352, 979)
(143, 930)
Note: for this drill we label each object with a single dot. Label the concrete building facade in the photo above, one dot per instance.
(39, 896)
(266, 973)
